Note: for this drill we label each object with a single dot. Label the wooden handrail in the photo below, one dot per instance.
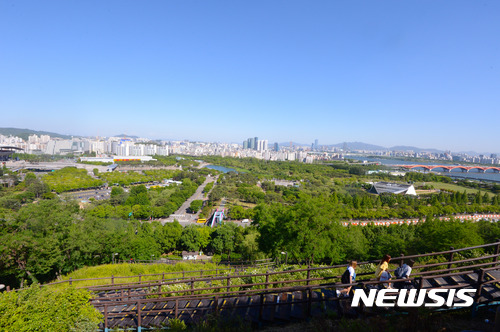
(144, 275)
(307, 270)
(210, 278)
(193, 290)
(228, 292)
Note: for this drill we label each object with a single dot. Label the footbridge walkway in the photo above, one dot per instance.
(293, 295)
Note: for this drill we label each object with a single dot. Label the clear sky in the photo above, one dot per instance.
(413, 72)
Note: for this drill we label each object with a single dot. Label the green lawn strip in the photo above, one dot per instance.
(452, 187)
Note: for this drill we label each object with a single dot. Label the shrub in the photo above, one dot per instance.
(42, 309)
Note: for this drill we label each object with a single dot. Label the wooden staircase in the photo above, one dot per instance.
(265, 307)
(140, 305)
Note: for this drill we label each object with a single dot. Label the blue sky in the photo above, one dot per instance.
(422, 73)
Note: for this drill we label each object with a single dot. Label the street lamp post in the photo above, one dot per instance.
(286, 256)
(113, 256)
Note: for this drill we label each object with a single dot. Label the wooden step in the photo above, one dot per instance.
(472, 277)
(440, 282)
(297, 309)
(491, 292)
(458, 280)
(269, 310)
(283, 310)
(426, 283)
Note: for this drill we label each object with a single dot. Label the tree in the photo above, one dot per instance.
(44, 309)
(141, 247)
(195, 205)
(138, 196)
(190, 238)
(205, 236)
(236, 212)
(29, 178)
(38, 188)
(304, 230)
(117, 191)
(437, 235)
(223, 238)
(118, 196)
(168, 235)
(249, 247)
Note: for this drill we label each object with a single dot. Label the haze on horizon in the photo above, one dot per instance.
(420, 73)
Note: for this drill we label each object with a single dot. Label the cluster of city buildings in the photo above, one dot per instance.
(121, 146)
(243, 151)
(254, 143)
(132, 148)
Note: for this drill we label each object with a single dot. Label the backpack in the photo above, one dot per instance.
(345, 277)
(400, 272)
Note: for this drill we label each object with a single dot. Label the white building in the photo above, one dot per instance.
(393, 188)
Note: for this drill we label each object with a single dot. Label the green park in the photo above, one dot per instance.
(48, 237)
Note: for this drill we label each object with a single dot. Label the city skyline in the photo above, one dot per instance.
(422, 74)
(19, 137)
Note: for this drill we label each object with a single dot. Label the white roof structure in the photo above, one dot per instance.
(393, 188)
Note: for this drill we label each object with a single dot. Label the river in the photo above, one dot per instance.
(221, 168)
(473, 174)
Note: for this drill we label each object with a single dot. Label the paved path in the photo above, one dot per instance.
(182, 214)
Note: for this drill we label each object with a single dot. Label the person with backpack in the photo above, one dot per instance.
(348, 277)
(403, 272)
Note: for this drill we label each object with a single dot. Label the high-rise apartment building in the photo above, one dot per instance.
(253, 143)
(262, 145)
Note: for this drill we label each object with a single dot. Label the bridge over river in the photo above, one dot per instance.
(287, 296)
(449, 168)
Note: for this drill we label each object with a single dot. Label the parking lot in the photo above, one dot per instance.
(85, 195)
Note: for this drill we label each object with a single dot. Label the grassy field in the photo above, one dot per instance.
(129, 270)
(243, 204)
(451, 186)
(251, 275)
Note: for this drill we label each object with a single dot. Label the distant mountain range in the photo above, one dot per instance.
(126, 136)
(358, 146)
(368, 147)
(412, 148)
(25, 133)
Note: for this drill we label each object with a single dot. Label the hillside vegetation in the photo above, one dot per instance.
(44, 309)
(43, 237)
(128, 269)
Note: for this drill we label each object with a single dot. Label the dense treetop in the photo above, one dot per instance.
(43, 236)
